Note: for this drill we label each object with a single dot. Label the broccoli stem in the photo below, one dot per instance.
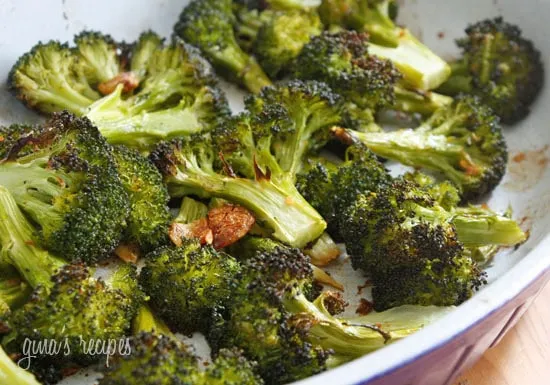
(146, 321)
(11, 373)
(421, 68)
(246, 67)
(18, 247)
(191, 210)
(117, 123)
(417, 101)
(279, 205)
(476, 226)
(14, 292)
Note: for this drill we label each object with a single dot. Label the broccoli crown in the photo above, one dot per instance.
(247, 172)
(500, 66)
(281, 38)
(65, 179)
(341, 60)
(153, 359)
(86, 309)
(332, 188)
(258, 322)
(312, 108)
(464, 141)
(443, 192)
(208, 25)
(149, 87)
(401, 233)
(187, 283)
(164, 360)
(149, 215)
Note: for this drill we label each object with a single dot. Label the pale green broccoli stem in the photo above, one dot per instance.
(14, 292)
(356, 337)
(191, 210)
(115, 120)
(18, 245)
(280, 206)
(417, 101)
(477, 226)
(421, 68)
(11, 373)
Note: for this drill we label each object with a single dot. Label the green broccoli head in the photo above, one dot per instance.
(187, 283)
(281, 38)
(443, 192)
(500, 66)
(86, 309)
(332, 188)
(252, 159)
(149, 215)
(137, 94)
(208, 25)
(65, 179)
(463, 141)
(164, 360)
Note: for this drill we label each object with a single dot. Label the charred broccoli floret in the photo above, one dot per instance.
(152, 91)
(65, 179)
(187, 284)
(331, 188)
(413, 248)
(272, 320)
(367, 83)
(463, 141)
(149, 215)
(500, 66)
(421, 68)
(208, 24)
(86, 310)
(163, 360)
(281, 38)
(13, 374)
(259, 155)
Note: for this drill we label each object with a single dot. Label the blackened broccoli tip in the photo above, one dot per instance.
(421, 67)
(281, 38)
(86, 309)
(463, 141)
(65, 179)
(187, 283)
(149, 214)
(137, 94)
(500, 66)
(208, 25)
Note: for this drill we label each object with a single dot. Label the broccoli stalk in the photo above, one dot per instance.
(191, 210)
(463, 141)
(208, 24)
(11, 373)
(19, 246)
(14, 291)
(420, 66)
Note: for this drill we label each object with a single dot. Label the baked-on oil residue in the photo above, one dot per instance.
(526, 169)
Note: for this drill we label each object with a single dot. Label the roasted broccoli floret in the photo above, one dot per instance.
(153, 91)
(208, 24)
(86, 310)
(281, 38)
(500, 66)
(11, 373)
(413, 248)
(366, 82)
(259, 155)
(187, 284)
(331, 188)
(149, 215)
(65, 179)
(272, 320)
(163, 360)
(421, 68)
(463, 141)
